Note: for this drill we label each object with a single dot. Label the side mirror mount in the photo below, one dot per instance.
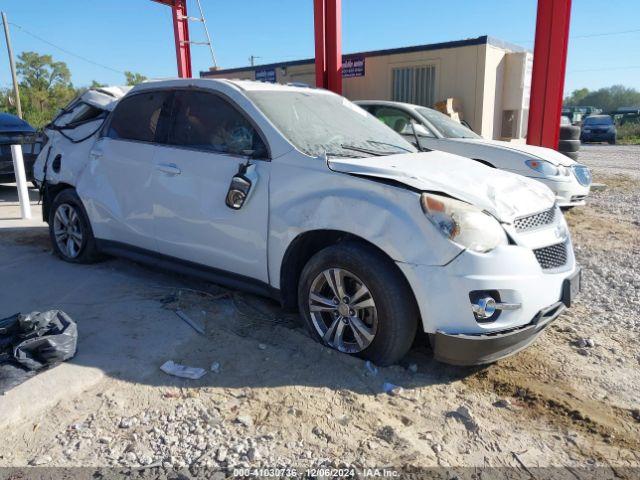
(240, 187)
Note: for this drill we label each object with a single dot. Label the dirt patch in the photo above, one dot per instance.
(602, 227)
(619, 182)
(36, 236)
(544, 391)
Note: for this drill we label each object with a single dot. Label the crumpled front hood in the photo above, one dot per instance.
(503, 194)
(529, 151)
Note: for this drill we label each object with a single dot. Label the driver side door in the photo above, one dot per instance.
(209, 139)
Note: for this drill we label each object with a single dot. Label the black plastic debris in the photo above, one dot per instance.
(33, 342)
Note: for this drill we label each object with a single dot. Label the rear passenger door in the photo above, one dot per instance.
(116, 188)
(208, 140)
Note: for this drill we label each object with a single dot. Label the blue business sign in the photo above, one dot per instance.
(266, 75)
(353, 67)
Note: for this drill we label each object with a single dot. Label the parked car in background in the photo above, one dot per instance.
(15, 131)
(432, 130)
(598, 128)
(299, 194)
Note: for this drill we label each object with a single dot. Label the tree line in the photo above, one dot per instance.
(45, 87)
(608, 99)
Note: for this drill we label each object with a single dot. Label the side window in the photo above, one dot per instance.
(207, 122)
(398, 120)
(137, 117)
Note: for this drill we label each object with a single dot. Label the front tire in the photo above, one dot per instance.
(355, 300)
(69, 229)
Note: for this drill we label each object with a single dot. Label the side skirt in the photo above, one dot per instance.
(191, 269)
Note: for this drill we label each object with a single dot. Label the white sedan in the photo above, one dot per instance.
(569, 180)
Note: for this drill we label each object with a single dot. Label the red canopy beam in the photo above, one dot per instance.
(319, 21)
(328, 44)
(549, 68)
(181, 35)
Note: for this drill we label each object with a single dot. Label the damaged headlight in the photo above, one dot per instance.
(463, 223)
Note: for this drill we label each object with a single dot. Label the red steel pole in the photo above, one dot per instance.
(333, 36)
(319, 21)
(549, 68)
(181, 35)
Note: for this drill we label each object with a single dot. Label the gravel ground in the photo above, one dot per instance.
(570, 401)
(612, 159)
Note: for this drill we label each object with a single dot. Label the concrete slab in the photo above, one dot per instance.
(123, 329)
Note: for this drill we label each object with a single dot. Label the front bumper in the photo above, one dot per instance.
(491, 347)
(443, 296)
(569, 193)
(597, 137)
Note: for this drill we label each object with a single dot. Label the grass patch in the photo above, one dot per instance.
(629, 134)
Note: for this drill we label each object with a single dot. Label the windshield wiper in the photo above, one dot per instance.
(376, 153)
(342, 155)
(389, 144)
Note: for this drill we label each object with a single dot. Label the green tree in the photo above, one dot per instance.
(576, 97)
(134, 78)
(45, 87)
(96, 84)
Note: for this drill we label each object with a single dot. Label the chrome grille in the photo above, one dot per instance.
(536, 220)
(553, 256)
(583, 175)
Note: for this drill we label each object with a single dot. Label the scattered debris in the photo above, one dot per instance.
(196, 325)
(215, 367)
(387, 433)
(584, 343)
(244, 420)
(171, 368)
(42, 460)
(262, 346)
(463, 414)
(391, 389)
(371, 368)
(502, 403)
(413, 367)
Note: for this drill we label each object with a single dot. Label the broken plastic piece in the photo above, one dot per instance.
(197, 326)
(391, 389)
(171, 368)
(371, 368)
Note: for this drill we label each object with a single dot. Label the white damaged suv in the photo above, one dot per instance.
(298, 194)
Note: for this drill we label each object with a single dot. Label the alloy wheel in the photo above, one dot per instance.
(343, 310)
(67, 230)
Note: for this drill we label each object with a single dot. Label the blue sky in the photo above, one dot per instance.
(137, 35)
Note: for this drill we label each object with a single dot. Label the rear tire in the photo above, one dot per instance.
(70, 231)
(571, 155)
(384, 329)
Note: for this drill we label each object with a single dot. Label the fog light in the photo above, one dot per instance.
(484, 308)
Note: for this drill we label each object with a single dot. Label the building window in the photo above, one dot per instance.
(414, 85)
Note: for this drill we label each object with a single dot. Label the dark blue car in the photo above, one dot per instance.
(14, 130)
(598, 128)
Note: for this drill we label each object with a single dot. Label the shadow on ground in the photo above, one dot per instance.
(128, 326)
